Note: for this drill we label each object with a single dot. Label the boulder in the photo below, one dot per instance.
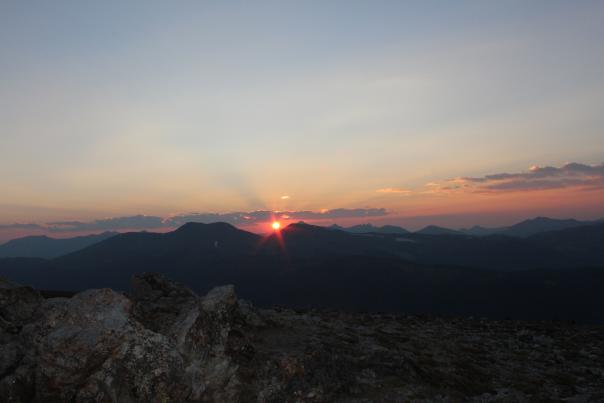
(163, 344)
(163, 306)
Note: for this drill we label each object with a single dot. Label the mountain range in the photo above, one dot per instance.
(366, 228)
(522, 229)
(530, 227)
(555, 274)
(46, 247)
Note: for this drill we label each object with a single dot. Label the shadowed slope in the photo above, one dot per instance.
(308, 266)
(48, 248)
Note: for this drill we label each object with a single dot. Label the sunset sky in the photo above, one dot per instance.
(450, 113)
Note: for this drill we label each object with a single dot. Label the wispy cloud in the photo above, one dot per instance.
(115, 223)
(395, 191)
(572, 174)
(246, 218)
(21, 226)
(338, 213)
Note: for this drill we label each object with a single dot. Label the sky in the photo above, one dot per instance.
(412, 113)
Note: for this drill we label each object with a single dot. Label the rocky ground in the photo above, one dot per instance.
(163, 343)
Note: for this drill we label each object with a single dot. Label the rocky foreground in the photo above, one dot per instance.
(163, 343)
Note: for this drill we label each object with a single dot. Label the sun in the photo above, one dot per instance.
(276, 225)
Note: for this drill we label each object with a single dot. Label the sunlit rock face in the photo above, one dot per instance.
(163, 343)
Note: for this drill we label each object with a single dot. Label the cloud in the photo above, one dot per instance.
(21, 226)
(337, 213)
(246, 218)
(116, 223)
(395, 191)
(569, 175)
(537, 178)
(144, 222)
(284, 197)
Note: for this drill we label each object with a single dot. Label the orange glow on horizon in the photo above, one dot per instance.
(276, 225)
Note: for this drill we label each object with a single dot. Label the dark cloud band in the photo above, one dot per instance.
(22, 226)
(143, 222)
(538, 178)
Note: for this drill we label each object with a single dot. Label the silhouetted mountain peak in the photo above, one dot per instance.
(541, 219)
(540, 224)
(192, 228)
(363, 228)
(42, 246)
(29, 237)
(304, 227)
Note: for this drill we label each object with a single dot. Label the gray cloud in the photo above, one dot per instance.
(116, 223)
(570, 175)
(538, 178)
(144, 222)
(340, 213)
(244, 218)
(21, 226)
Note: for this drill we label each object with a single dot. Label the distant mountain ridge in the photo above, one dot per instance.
(366, 228)
(530, 227)
(48, 248)
(541, 224)
(557, 274)
(434, 245)
(522, 229)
